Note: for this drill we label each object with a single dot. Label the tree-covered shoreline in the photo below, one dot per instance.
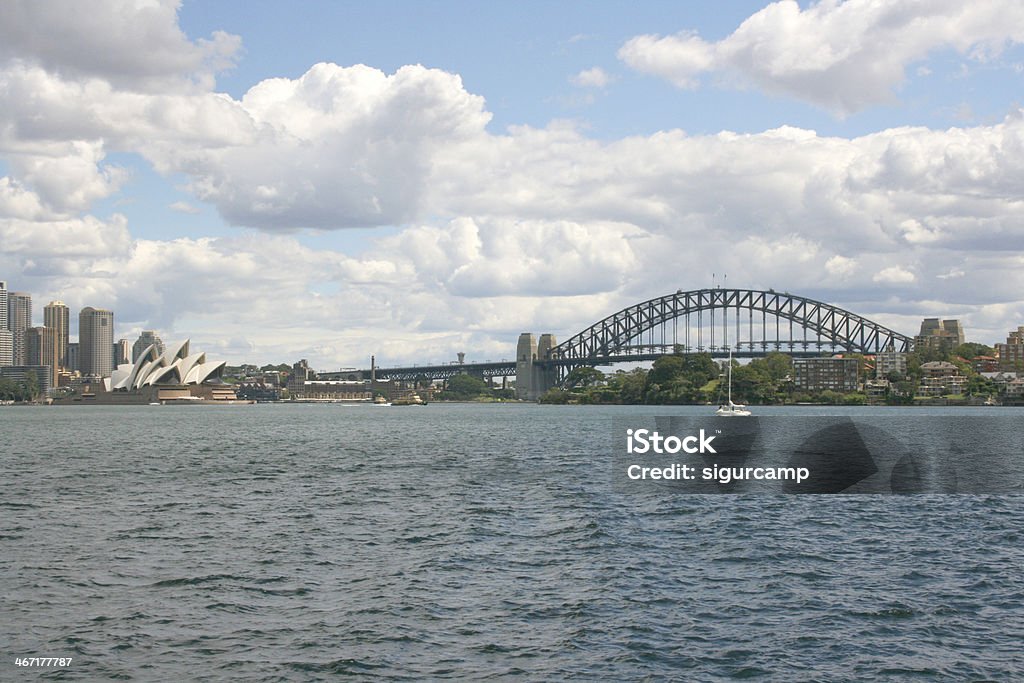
(696, 379)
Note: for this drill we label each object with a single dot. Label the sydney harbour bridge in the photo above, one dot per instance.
(746, 322)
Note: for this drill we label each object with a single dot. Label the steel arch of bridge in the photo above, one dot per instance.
(844, 329)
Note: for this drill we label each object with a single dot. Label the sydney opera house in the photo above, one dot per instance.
(175, 376)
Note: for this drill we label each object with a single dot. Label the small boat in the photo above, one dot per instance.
(413, 400)
(731, 409)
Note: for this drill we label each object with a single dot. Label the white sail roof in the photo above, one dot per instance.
(175, 367)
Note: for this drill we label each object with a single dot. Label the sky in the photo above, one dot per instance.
(331, 180)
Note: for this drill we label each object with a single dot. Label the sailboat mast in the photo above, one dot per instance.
(730, 375)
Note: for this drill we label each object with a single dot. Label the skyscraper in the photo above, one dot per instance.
(145, 340)
(73, 356)
(6, 347)
(95, 340)
(42, 348)
(6, 338)
(122, 352)
(19, 319)
(57, 316)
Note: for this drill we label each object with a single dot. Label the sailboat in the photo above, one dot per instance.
(731, 409)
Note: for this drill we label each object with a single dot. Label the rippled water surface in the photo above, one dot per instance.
(266, 543)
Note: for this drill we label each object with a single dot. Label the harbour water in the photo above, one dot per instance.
(295, 543)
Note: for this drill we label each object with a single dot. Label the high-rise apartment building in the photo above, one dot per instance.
(6, 338)
(57, 317)
(6, 347)
(95, 340)
(42, 348)
(939, 335)
(146, 339)
(1011, 354)
(19, 319)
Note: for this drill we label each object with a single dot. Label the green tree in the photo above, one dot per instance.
(465, 387)
(980, 386)
(31, 386)
(629, 385)
(9, 391)
(584, 377)
(666, 369)
(778, 365)
(701, 367)
(752, 384)
(971, 350)
(555, 396)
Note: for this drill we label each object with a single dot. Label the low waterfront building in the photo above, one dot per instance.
(19, 374)
(1015, 388)
(939, 378)
(876, 391)
(939, 368)
(826, 374)
(985, 364)
(333, 390)
(1000, 379)
(258, 391)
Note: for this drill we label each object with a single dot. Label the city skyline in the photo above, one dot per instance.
(372, 187)
(57, 318)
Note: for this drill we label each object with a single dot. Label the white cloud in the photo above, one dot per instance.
(184, 207)
(842, 56)
(595, 77)
(841, 266)
(87, 238)
(916, 233)
(338, 147)
(17, 202)
(132, 44)
(503, 257)
(894, 275)
(530, 228)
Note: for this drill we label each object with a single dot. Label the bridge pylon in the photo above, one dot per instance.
(532, 379)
